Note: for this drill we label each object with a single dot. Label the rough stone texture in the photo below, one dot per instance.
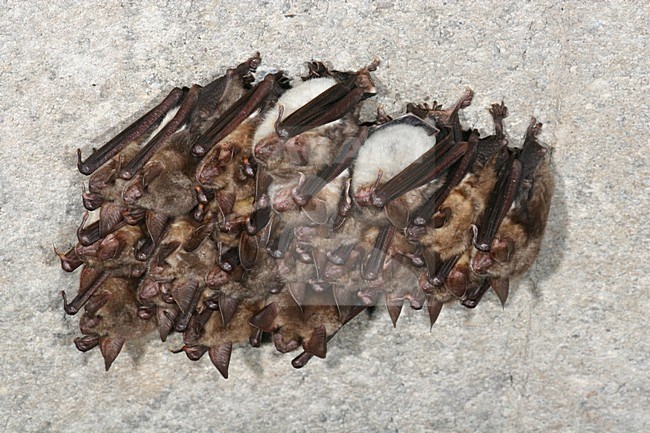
(568, 352)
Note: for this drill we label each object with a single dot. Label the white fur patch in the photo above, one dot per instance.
(390, 149)
(168, 117)
(292, 100)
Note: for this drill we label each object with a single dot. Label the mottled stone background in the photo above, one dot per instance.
(567, 353)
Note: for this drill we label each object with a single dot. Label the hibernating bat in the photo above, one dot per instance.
(253, 205)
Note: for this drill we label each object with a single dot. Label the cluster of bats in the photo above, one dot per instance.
(255, 208)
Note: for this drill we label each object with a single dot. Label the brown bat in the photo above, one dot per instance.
(507, 240)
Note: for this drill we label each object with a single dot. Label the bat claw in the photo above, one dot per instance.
(372, 67)
(69, 309)
(80, 165)
(69, 260)
(145, 313)
(282, 133)
(255, 338)
(340, 255)
(499, 111)
(382, 116)
(534, 128)
(254, 61)
(368, 296)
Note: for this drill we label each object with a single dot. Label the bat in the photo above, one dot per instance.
(257, 208)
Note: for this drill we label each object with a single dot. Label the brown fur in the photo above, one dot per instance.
(525, 225)
(467, 202)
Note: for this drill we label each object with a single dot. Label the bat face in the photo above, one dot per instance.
(246, 207)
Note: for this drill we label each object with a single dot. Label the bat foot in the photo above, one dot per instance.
(86, 343)
(474, 295)
(534, 128)
(301, 360)
(481, 262)
(193, 353)
(282, 345)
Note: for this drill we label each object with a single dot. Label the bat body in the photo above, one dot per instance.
(249, 207)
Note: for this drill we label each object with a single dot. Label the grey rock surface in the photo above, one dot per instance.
(569, 353)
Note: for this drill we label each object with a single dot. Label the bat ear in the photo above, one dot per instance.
(394, 307)
(166, 318)
(247, 251)
(501, 287)
(433, 306)
(183, 294)
(156, 224)
(227, 307)
(265, 318)
(317, 343)
(397, 213)
(198, 236)
(220, 357)
(110, 348)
